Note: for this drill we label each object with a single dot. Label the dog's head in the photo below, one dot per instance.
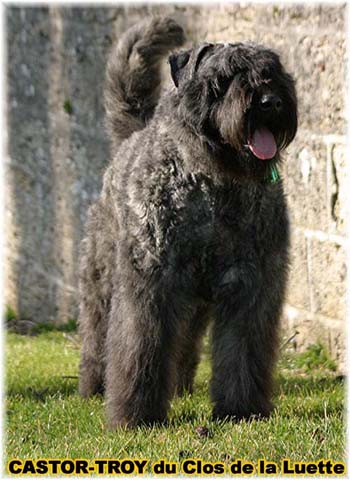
(239, 100)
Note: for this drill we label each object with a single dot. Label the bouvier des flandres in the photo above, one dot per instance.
(191, 225)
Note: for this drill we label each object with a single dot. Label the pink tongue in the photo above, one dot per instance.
(263, 144)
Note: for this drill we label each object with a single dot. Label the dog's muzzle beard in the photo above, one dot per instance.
(264, 119)
(239, 123)
(247, 144)
(271, 125)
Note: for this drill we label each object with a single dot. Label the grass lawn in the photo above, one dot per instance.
(46, 418)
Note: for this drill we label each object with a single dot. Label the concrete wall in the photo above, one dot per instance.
(57, 148)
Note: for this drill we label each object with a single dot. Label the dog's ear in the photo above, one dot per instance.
(178, 62)
(202, 50)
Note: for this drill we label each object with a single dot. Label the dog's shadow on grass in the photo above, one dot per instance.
(43, 393)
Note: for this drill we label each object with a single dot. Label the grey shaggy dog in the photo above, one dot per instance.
(189, 227)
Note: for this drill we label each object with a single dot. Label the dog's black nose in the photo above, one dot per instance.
(270, 102)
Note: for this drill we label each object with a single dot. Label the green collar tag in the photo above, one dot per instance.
(274, 175)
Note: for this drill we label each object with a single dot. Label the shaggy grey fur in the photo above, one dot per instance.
(188, 227)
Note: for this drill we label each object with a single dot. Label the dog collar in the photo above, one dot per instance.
(274, 175)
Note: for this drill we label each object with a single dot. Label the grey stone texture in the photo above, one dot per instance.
(57, 148)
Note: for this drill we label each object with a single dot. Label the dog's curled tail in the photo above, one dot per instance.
(133, 77)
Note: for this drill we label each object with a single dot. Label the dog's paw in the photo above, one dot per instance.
(237, 415)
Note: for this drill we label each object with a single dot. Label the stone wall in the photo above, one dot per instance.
(57, 149)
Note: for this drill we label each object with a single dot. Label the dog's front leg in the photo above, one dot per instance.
(140, 377)
(244, 342)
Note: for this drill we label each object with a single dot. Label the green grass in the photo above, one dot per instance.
(46, 417)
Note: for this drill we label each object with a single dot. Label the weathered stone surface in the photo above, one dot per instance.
(328, 278)
(305, 174)
(57, 148)
(337, 344)
(298, 293)
(319, 66)
(338, 188)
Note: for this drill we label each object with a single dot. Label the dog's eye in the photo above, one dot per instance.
(265, 73)
(220, 85)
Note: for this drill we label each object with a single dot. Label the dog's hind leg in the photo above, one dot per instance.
(94, 285)
(91, 371)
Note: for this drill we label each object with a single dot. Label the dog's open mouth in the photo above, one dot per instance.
(262, 144)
